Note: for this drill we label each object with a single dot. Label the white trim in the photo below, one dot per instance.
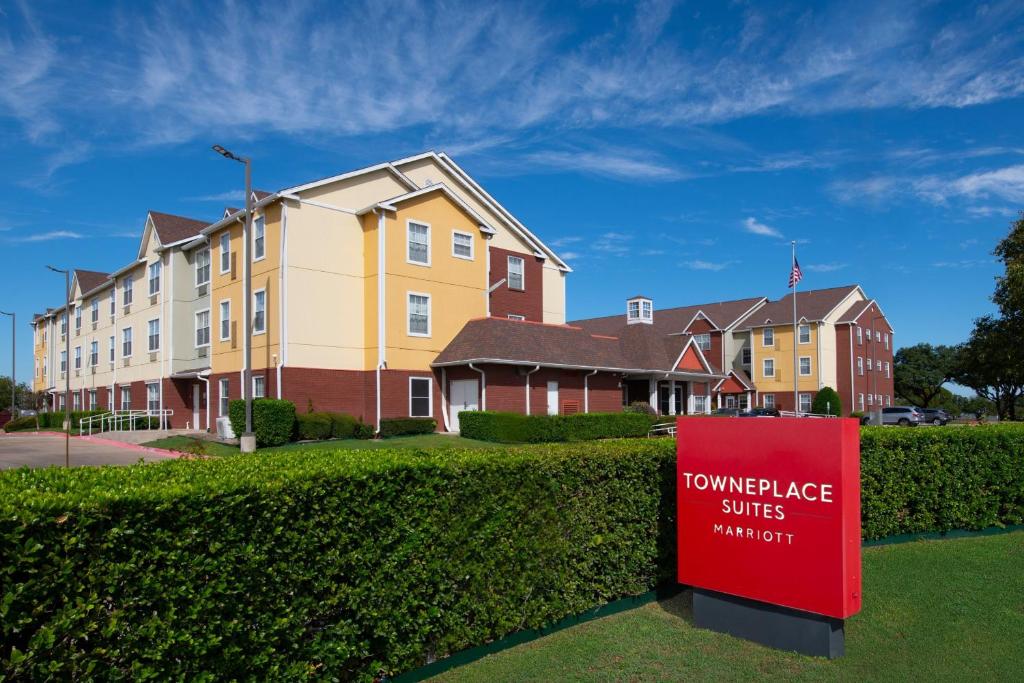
(255, 220)
(765, 374)
(765, 344)
(409, 222)
(209, 266)
(159, 277)
(221, 252)
(221, 395)
(408, 314)
(220, 319)
(158, 335)
(386, 166)
(516, 316)
(749, 312)
(195, 328)
(262, 290)
(700, 314)
(799, 328)
(430, 395)
(472, 245)
(700, 355)
(130, 341)
(389, 205)
(508, 273)
(682, 376)
(810, 366)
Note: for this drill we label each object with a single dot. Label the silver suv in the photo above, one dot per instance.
(905, 416)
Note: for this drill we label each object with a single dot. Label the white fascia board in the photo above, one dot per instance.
(746, 314)
(149, 228)
(565, 366)
(386, 166)
(240, 214)
(856, 289)
(516, 225)
(125, 269)
(700, 355)
(389, 204)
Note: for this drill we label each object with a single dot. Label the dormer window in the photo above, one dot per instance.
(639, 309)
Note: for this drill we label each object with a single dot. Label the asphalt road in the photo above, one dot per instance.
(46, 450)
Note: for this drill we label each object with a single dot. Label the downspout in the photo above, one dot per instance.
(586, 391)
(381, 356)
(483, 386)
(853, 389)
(164, 284)
(204, 378)
(444, 399)
(487, 280)
(281, 307)
(528, 388)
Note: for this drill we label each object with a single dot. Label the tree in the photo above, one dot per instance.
(992, 363)
(921, 370)
(24, 396)
(827, 402)
(1009, 294)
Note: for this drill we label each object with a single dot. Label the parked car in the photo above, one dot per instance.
(730, 412)
(935, 416)
(905, 416)
(760, 412)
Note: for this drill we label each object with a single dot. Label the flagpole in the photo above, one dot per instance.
(796, 368)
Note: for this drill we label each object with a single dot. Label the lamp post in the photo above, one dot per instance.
(248, 440)
(67, 364)
(14, 381)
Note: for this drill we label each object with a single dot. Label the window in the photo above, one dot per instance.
(700, 404)
(886, 338)
(805, 365)
(154, 278)
(110, 399)
(517, 280)
(878, 336)
(92, 399)
(95, 310)
(870, 366)
(126, 398)
(860, 335)
(769, 400)
(76, 401)
(730, 401)
(60, 402)
(113, 345)
(860, 365)
(886, 368)
(63, 362)
(514, 316)
(258, 386)
(153, 397)
(225, 320)
(878, 399)
(154, 335)
(202, 267)
(420, 399)
(126, 342)
(202, 328)
(223, 397)
(94, 353)
(645, 310)
(871, 398)
(418, 243)
(126, 290)
(419, 315)
(805, 403)
(703, 341)
(78, 358)
(259, 305)
(113, 300)
(63, 324)
(225, 252)
(860, 402)
(804, 332)
(634, 310)
(462, 245)
(768, 367)
(78, 319)
(745, 355)
(888, 400)
(768, 336)
(259, 238)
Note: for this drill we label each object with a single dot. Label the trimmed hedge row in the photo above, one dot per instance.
(343, 564)
(400, 426)
(273, 420)
(332, 564)
(517, 428)
(50, 421)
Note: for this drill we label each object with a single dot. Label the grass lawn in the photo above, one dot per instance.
(427, 441)
(933, 610)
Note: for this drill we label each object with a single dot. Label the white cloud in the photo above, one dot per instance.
(962, 263)
(571, 255)
(752, 225)
(699, 264)
(222, 197)
(565, 241)
(825, 267)
(1005, 184)
(610, 164)
(52, 235)
(613, 243)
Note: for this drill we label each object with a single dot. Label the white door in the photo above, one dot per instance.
(552, 398)
(463, 397)
(197, 402)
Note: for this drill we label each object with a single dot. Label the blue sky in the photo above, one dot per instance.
(667, 148)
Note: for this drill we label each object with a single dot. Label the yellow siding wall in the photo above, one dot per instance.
(782, 353)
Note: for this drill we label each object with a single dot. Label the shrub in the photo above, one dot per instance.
(313, 426)
(363, 431)
(827, 402)
(273, 420)
(398, 426)
(640, 407)
(20, 424)
(517, 428)
(54, 420)
(343, 426)
(288, 566)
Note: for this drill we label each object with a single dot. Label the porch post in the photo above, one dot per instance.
(652, 387)
(672, 397)
(719, 400)
(707, 398)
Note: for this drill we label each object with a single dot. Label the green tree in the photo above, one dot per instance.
(827, 402)
(1009, 294)
(24, 397)
(992, 363)
(921, 370)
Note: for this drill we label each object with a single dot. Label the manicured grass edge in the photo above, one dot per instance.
(624, 604)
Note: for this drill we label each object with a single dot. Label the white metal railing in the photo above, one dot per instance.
(791, 413)
(662, 429)
(123, 420)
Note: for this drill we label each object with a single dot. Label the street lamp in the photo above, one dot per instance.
(67, 364)
(14, 382)
(248, 440)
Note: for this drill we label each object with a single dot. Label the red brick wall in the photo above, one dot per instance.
(528, 302)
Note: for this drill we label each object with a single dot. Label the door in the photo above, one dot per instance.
(197, 402)
(463, 397)
(552, 398)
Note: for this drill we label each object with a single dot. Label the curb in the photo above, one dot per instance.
(129, 446)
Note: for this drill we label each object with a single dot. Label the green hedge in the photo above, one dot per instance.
(21, 424)
(342, 426)
(318, 564)
(399, 426)
(517, 428)
(313, 426)
(937, 479)
(273, 420)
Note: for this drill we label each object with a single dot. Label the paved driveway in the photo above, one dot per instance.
(43, 450)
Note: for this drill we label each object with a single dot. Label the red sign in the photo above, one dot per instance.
(769, 509)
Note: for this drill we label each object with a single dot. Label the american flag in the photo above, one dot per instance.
(795, 275)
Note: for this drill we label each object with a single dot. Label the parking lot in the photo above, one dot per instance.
(44, 450)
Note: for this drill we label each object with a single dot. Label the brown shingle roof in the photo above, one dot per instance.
(529, 343)
(170, 228)
(673, 320)
(89, 280)
(854, 311)
(813, 304)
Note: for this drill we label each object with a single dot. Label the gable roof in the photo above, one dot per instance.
(390, 204)
(89, 280)
(812, 305)
(676, 320)
(736, 381)
(170, 228)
